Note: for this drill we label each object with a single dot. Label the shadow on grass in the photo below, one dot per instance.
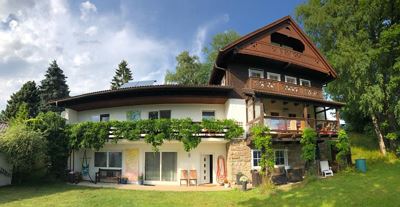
(378, 187)
(34, 190)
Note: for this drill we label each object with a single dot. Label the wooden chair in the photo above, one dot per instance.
(192, 177)
(184, 177)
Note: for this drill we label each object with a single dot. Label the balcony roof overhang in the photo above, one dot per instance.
(314, 101)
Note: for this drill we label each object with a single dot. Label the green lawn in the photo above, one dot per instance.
(380, 186)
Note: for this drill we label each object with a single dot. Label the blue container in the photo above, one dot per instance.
(361, 165)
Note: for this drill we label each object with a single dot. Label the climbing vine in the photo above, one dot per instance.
(263, 142)
(308, 141)
(95, 134)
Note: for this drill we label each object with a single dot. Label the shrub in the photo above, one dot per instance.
(25, 150)
(53, 128)
(342, 145)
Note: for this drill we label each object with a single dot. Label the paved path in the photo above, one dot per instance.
(156, 187)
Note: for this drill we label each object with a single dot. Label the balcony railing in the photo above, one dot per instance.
(283, 88)
(297, 125)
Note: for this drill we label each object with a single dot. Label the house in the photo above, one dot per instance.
(272, 76)
(5, 172)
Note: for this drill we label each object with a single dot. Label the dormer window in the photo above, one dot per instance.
(290, 79)
(284, 41)
(304, 82)
(274, 76)
(256, 73)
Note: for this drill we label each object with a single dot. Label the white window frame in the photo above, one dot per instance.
(254, 70)
(211, 111)
(290, 77)
(285, 157)
(108, 160)
(161, 164)
(285, 154)
(277, 74)
(252, 160)
(305, 80)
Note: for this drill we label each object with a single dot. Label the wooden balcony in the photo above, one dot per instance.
(295, 126)
(283, 88)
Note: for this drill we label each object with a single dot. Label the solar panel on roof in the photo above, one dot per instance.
(138, 83)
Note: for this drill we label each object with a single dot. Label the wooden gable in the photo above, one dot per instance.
(284, 41)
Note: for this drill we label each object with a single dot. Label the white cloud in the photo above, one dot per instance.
(87, 49)
(202, 31)
(86, 9)
(91, 31)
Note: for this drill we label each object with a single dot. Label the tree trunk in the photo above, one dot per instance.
(379, 134)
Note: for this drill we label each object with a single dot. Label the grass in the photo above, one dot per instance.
(380, 186)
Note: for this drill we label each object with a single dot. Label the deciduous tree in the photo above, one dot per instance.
(189, 71)
(361, 39)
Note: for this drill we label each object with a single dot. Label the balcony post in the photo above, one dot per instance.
(337, 118)
(259, 107)
(305, 113)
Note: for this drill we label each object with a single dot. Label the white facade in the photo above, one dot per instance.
(134, 152)
(4, 180)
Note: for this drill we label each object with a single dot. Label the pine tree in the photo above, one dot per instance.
(53, 86)
(28, 95)
(123, 75)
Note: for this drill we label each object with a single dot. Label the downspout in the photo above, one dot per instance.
(224, 69)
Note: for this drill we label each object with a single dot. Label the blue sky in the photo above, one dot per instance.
(89, 38)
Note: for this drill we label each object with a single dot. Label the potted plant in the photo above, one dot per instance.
(244, 181)
(140, 179)
(226, 183)
(124, 180)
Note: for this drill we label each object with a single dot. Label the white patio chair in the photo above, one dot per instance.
(325, 169)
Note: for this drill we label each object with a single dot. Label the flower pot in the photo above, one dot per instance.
(244, 186)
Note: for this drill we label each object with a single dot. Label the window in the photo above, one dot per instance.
(290, 79)
(133, 115)
(153, 115)
(115, 159)
(274, 76)
(208, 115)
(279, 157)
(108, 159)
(255, 73)
(100, 159)
(304, 82)
(292, 115)
(274, 114)
(165, 114)
(104, 117)
(160, 166)
(256, 155)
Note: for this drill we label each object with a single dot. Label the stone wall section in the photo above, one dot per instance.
(238, 159)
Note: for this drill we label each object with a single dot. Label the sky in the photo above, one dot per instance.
(89, 38)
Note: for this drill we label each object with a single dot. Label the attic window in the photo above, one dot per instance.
(287, 42)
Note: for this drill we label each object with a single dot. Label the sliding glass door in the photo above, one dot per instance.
(168, 168)
(160, 166)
